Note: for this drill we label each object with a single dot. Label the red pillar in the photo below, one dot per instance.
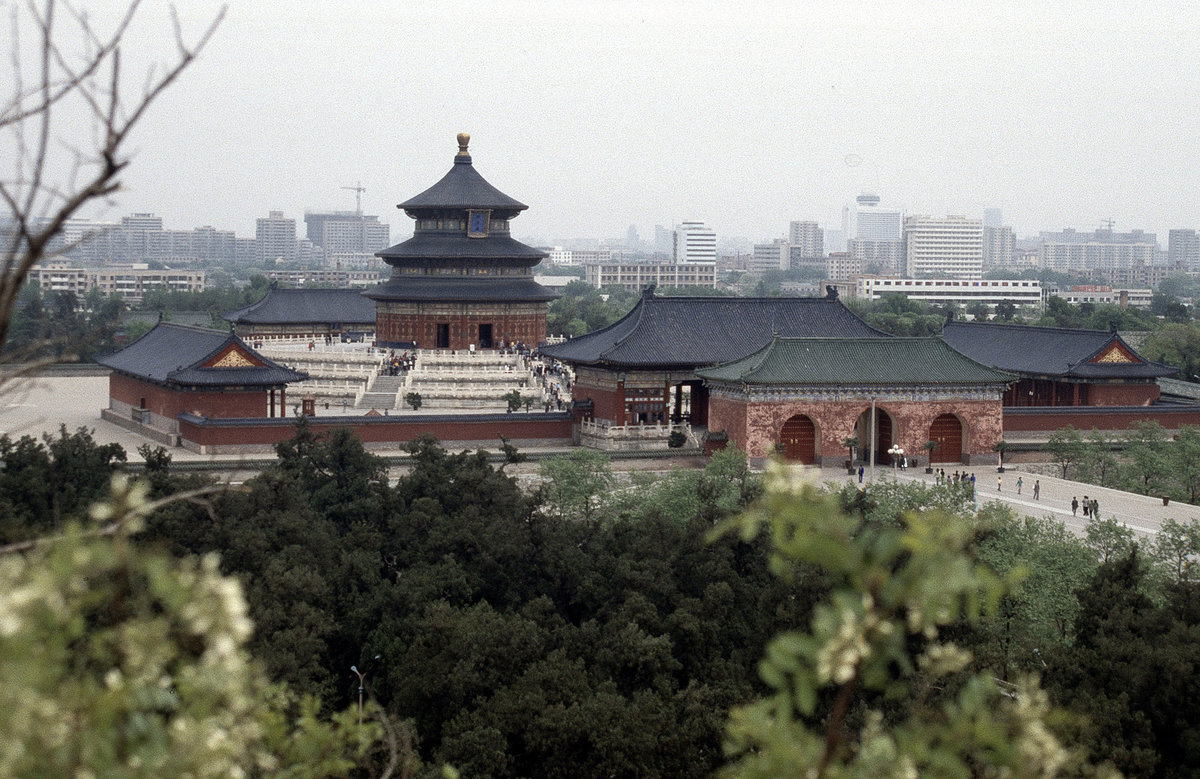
(271, 408)
(283, 401)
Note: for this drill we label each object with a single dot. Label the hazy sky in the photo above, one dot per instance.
(599, 115)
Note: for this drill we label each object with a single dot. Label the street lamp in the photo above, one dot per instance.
(896, 453)
(360, 676)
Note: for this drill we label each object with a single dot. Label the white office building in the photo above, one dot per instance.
(276, 236)
(963, 292)
(947, 246)
(771, 256)
(694, 242)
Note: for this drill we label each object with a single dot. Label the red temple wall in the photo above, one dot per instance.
(170, 404)
(1122, 394)
(198, 435)
(755, 426)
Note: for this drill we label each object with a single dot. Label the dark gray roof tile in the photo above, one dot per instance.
(694, 331)
(174, 354)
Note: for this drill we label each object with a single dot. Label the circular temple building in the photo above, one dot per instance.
(461, 281)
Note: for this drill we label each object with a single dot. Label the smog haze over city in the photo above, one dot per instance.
(601, 115)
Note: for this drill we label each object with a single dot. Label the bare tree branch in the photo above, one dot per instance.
(38, 211)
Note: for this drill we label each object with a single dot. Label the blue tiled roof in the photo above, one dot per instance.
(1048, 351)
(695, 331)
(307, 306)
(173, 354)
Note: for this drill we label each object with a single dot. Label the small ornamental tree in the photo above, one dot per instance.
(876, 647)
(413, 399)
(512, 399)
(851, 443)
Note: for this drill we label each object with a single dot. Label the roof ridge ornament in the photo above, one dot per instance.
(464, 139)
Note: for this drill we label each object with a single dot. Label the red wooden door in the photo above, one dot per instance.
(799, 440)
(947, 431)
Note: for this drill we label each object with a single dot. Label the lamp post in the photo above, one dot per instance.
(361, 677)
(895, 452)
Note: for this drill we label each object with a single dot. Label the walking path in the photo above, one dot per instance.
(1140, 513)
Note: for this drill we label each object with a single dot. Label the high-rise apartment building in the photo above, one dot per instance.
(807, 239)
(346, 232)
(998, 245)
(993, 217)
(950, 246)
(694, 242)
(1102, 250)
(276, 236)
(1183, 249)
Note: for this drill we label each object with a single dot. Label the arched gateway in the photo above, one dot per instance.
(947, 431)
(798, 440)
(797, 390)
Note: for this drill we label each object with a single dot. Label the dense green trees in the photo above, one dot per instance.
(595, 626)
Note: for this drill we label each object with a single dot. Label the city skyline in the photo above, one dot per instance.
(610, 114)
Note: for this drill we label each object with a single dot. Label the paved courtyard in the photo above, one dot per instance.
(1142, 514)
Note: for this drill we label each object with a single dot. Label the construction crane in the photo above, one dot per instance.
(1108, 224)
(358, 190)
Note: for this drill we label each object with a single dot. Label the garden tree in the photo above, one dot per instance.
(577, 485)
(1108, 539)
(1105, 316)
(1168, 307)
(1176, 548)
(512, 399)
(1067, 447)
(1185, 461)
(1146, 452)
(1176, 344)
(1131, 673)
(119, 661)
(978, 311)
(582, 308)
(1006, 311)
(1039, 612)
(1060, 313)
(1097, 463)
(871, 687)
(413, 399)
(42, 483)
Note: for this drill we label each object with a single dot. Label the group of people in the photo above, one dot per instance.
(399, 363)
(1091, 506)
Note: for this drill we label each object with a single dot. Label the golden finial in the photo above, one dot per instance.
(463, 140)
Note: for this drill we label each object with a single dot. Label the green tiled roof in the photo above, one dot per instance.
(798, 361)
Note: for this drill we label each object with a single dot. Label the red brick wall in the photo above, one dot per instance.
(755, 427)
(1122, 394)
(258, 432)
(1085, 418)
(170, 404)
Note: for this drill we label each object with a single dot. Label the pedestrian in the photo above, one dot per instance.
(1037, 489)
(1095, 508)
(1074, 505)
(999, 483)
(1087, 505)
(1019, 483)
(860, 474)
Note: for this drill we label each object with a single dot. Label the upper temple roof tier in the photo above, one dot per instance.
(462, 188)
(695, 331)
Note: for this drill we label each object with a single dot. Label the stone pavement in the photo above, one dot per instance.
(1140, 513)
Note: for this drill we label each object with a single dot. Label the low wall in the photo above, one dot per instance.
(1048, 419)
(233, 436)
